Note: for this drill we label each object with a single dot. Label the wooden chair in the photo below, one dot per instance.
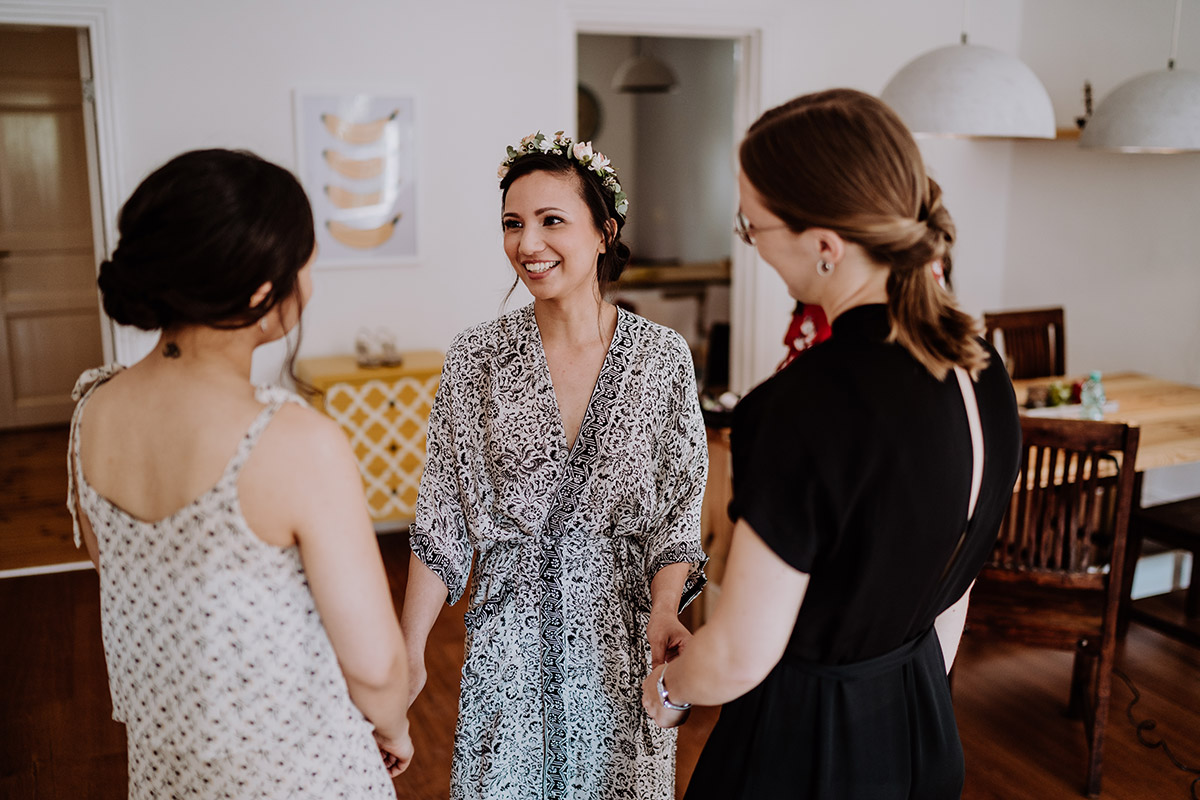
(1033, 342)
(1177, 526)
(1055, 576)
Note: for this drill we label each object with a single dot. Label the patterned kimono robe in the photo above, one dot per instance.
(566, 543)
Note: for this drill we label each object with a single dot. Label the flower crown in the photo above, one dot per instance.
(581, 152)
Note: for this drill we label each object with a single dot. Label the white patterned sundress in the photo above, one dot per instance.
(218, 663)
(565, 542)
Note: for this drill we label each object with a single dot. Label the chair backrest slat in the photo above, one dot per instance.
(1071, 503)
(1033, 342)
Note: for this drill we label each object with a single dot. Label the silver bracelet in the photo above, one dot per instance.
(666, 700)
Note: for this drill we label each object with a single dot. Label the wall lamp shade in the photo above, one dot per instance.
(644, 75)
(1158, 112)
(970, 90)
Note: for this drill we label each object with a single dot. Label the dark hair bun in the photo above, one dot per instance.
(615, 260)
(125, 301)
(200, 235)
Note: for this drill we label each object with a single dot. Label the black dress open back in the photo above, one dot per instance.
(854, 465)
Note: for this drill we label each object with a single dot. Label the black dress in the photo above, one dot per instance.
(854, 465)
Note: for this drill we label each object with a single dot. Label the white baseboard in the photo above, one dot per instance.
(72, 566)
(1161, 573)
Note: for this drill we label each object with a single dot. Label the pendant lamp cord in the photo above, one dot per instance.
(962, 38)
(1147, 725)
(1175, 34)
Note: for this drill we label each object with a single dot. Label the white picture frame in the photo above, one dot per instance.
(356, 153)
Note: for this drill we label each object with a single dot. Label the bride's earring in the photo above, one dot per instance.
(824, 267)
(262, 324)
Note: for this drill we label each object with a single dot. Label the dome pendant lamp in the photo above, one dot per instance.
(968, 90)
(643, 74)
(1158, 112)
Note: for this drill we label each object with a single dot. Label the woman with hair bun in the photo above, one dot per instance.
(567, 457)
(869, 479)
(251, 641)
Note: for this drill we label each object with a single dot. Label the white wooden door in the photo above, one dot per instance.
(49, 312)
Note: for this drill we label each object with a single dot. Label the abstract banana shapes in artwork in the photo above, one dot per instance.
(355, 169)
(357, 132)
(344, 198)
(362, 238)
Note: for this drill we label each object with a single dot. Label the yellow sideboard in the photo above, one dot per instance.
(385, 413)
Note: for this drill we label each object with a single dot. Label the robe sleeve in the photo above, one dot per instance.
(682, 470)
(439, 535)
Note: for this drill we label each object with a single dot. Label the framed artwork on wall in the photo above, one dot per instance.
(356, 153)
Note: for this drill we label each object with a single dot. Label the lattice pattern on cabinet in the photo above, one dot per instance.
(385, 413)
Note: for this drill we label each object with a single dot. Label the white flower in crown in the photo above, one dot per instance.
(582, 152)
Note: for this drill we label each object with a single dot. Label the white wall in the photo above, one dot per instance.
(221, 73)
(1111, 237)
(1114, 238)
(685, 155)
(617, 137)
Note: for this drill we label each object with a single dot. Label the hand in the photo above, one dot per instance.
(416, 673)
(651, 701)
(397, 752)
(667, 636)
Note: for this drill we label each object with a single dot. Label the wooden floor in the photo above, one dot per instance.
(57, 739)
(35, 526)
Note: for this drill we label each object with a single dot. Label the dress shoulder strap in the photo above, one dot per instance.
(274, 398)
(88, 382)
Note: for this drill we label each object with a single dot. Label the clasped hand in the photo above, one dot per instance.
(668, 637)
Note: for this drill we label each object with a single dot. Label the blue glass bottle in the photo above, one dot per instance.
(1091, 395)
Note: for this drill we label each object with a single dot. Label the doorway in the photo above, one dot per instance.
(672, 143)
(51, 325)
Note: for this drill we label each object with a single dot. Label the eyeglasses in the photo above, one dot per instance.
(746, 231)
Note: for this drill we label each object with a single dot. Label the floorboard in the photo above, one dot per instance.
(57, 739)
(35, 526)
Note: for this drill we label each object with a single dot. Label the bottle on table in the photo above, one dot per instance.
(1091, 395)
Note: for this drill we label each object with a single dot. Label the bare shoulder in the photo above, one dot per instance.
(302, 463)
(301, 437)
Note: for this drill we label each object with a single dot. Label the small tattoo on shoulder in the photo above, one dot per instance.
(171, 350)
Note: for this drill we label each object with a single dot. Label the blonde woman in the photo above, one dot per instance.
(870, 477)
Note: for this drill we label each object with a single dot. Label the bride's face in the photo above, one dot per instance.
(549, 235)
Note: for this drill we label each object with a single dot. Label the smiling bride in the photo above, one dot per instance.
(567, 456)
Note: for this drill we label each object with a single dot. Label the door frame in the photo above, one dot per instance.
(747, 105)
(102, 155)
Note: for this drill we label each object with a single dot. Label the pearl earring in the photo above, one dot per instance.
(824, 267)
(262, 324)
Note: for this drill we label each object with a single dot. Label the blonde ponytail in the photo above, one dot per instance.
(843, 160)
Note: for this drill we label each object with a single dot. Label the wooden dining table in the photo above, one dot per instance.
(1168, 414)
